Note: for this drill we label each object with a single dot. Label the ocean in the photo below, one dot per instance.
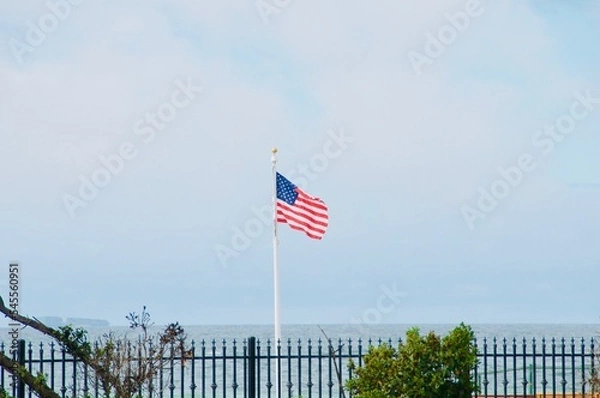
(229, 333)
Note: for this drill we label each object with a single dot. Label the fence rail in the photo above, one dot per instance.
(218, 369)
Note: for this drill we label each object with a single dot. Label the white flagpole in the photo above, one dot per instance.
(276, 267)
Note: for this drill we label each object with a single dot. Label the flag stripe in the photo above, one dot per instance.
(292, 219)
(314, 202)
(308, 232)
(315, 217)
(287, 215)
(313, 233)
(286, 211)
(307, 214)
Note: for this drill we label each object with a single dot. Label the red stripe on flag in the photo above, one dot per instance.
(308, 214)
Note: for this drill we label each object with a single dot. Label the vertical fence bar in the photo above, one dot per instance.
(63, 388)
(41, 366)
(213, 363)
(96, 383)
(2, 376)
(74, 389)
(563, 359)
(525, 378)
(330, 380)
(593, 364)
(544, 380)
(2, 382)
(573, 385)
(14, 352)
(534, 367)
(182, 361)
(152, 388)
(52, 365)
(279, 391)
(339, 367)
(350, 356)
(289, 368)
(269, 359)
(504, 370)
(553, 367)
(309, 385)
(485, 368)
(495, 357)
(172, 372)
(86, 388)
(234, 385)
(161, 381)
(514, 356)
(360, 352)
(299, 368)
(583, 374)
(30, 363)
(21, 360)
(224, 350)
(152, 370)
(475, 370)
(193, 386)
(258, 366)
(245, 366)
(128, 352)
(252, 367)
(139, 365)
(320, 366)
(203, 350)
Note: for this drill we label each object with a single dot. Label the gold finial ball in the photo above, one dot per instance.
(274, 150)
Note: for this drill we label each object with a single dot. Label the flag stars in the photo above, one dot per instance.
(286, 191)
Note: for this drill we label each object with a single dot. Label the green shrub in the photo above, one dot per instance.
(421, 367)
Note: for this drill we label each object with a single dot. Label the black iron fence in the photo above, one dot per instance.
(293, 368)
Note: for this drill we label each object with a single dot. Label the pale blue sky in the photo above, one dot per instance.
(423, 144)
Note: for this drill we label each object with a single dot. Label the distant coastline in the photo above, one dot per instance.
(56, 321)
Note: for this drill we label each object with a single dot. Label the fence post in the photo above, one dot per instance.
(252, 367)
(21, 360)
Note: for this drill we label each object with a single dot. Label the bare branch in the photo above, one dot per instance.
(337, 370)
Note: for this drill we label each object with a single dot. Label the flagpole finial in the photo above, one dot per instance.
(274, 150)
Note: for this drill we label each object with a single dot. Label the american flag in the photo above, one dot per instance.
(300, 210)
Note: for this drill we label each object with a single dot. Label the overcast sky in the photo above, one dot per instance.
(136, 149)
